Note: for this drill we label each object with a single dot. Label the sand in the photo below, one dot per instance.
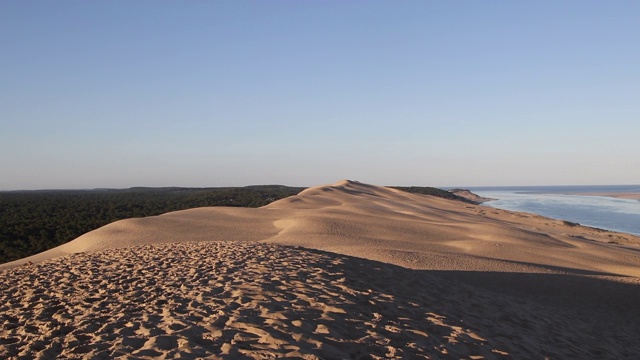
(347, 270)
(632, 196)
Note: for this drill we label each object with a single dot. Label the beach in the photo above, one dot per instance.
(347, 270)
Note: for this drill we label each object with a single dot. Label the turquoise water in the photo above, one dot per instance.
(558, 202)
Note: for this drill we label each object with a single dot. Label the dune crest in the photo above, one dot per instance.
(384, 224)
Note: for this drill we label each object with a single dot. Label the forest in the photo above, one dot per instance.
(35, 221)
(425, 190)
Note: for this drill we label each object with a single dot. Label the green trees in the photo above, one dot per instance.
(425, 190)
(35, 221)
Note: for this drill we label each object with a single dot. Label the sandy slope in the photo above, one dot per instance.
(338, 271)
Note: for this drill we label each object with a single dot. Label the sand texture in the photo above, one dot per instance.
(632, 196)
(344, 271)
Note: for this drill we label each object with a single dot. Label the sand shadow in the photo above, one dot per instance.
(196, 301)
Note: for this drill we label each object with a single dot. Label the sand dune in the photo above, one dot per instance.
(347, 270)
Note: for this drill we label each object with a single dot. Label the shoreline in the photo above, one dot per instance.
(593, 214)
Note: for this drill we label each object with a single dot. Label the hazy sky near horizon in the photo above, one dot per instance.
(229, 93)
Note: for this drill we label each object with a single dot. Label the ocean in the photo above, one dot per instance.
(561, 202)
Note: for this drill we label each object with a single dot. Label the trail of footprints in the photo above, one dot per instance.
(217, 300)
(254, 300)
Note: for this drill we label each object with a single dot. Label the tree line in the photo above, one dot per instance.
(35, 221)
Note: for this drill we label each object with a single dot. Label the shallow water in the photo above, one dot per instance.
(602, 212)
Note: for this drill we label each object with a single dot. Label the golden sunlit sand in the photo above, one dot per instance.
(347, 270)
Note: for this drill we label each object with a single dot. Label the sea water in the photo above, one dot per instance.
(564, 203)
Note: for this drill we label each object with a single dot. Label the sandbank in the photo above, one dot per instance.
(633, 196)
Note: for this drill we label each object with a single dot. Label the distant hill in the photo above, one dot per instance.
(467, 194)
(425, 190)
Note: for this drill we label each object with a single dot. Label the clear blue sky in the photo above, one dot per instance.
(225, 93)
